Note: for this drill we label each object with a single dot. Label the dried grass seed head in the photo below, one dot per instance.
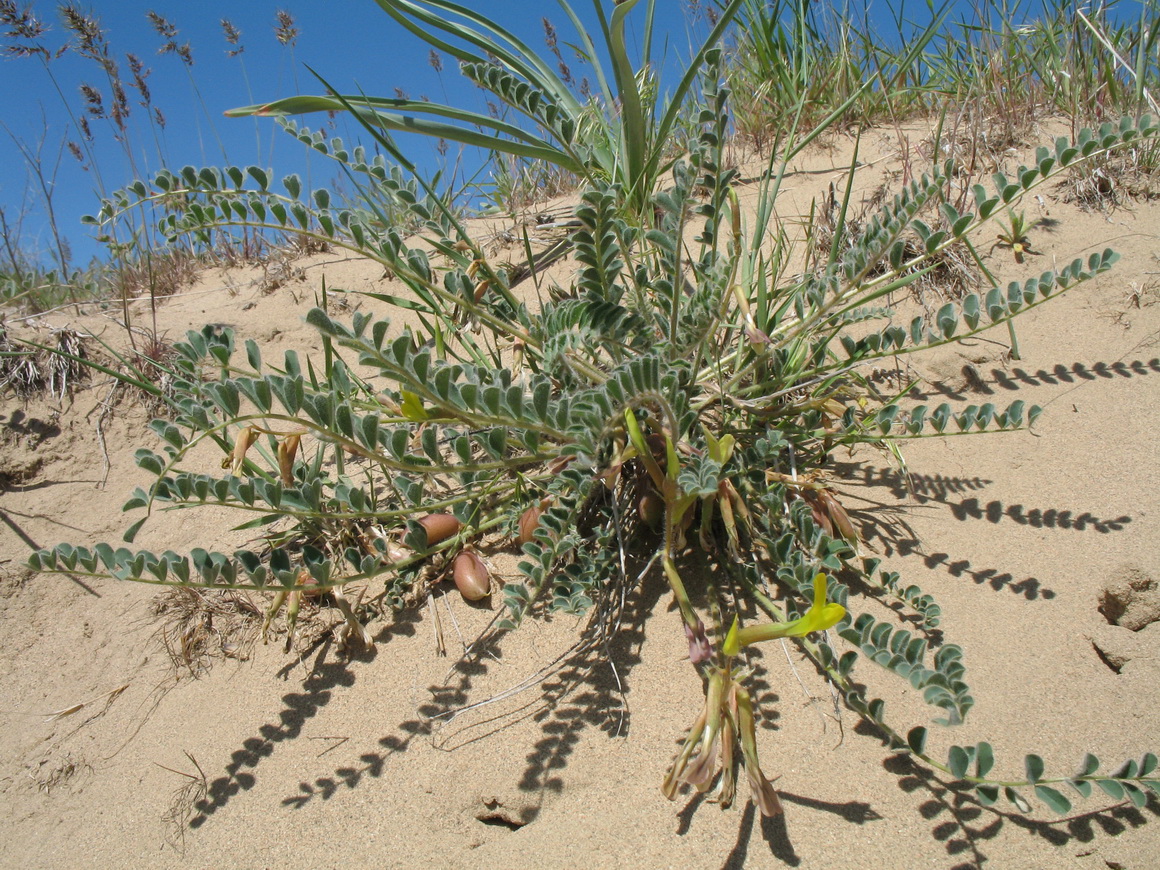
(286, 31)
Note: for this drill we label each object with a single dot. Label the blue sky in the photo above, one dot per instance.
(351, 42)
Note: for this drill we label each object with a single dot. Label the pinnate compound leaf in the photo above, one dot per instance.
(947, 320)
(1112, 788)
(940, 417)
(1089, 765)
(988, 794)
(1128, 770)
(1082, 786)
(971, 311)
(259, 175)
(1017, 799)
(1148, 764)
(132, 531)
(1136, 795)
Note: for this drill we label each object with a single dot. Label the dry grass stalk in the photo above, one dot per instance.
(108, 698)
(48, 776)
(186, 799)
(200, 625)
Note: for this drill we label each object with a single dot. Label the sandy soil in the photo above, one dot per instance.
(273, 760)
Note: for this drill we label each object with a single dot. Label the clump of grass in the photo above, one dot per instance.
(1116, 180)
(111, 104)
(19, 369)
(198, 626)
(518, 184)
(54, 773)
(187, 799)
(54, 368)
(158, 274)
(997, 70)
(834, 228)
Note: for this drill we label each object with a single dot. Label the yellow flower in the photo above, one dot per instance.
(819, 617)
(412, 407)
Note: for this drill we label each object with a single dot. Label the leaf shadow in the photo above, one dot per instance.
(965, 825)
(938, 489)
(585, 694)
(883, 521)
(583, 688)
(325, 675)
(1016, 378)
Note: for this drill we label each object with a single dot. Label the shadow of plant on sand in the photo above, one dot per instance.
(324, 676)
(1017, 378)
(964, 825)
(582, 687)
(883, 522)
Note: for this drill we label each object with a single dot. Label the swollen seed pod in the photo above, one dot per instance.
(682, 526)
(439, 527)
(559, 464)
(839, 518)
(529, 521)
(818, 512)
(390, 406)
(657, 446)
(651, 508)
(272, 611)
(376, 543)
(307, 586)
(471, 577)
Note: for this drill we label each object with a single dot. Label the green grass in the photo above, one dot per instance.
(1006, 67)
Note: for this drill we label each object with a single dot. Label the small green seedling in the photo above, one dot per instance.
(1014, 235)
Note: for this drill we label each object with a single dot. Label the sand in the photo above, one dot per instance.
(266, 759)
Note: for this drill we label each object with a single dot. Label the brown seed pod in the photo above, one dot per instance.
(839, 518)
(439, 527)
(395, 553)
(237, 460)
(559, 464)
(651, 508)
(529, 522)
(658, 447)
(817, 511)
(307, 586)
(471, 577)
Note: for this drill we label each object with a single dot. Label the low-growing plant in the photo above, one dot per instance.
(676, 395)
(1013, 234)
